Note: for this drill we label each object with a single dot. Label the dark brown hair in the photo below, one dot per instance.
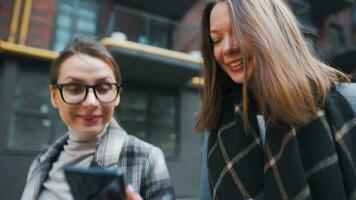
(87, 46)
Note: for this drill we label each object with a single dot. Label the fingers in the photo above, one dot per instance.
(131, 194)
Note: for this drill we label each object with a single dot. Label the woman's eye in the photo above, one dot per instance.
(103, 88)
(74, 89)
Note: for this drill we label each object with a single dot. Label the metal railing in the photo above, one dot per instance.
(146, 28)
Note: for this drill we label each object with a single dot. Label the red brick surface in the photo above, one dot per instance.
(41, 28)
(187, 37)
(6, 8)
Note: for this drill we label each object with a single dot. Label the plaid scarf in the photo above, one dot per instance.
(316, 161)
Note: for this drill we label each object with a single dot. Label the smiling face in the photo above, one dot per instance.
(226, 48)
(89, 117)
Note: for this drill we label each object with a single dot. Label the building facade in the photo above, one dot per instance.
(155, 44)
(157, 102)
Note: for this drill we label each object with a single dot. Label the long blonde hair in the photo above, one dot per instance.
(288, 83)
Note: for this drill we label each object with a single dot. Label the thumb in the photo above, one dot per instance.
(131, 194)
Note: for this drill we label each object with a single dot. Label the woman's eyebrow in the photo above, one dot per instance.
(104, 79)
(74, 79)
(99, 80)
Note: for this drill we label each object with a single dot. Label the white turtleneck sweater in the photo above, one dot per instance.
(78, 151)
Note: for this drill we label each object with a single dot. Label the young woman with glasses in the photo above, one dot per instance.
(85, 88)
(280, 127)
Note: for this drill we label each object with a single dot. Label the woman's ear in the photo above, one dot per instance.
(117, 101)
(54, 96)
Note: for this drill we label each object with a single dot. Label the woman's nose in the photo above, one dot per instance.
(91, 98)
(230, 45)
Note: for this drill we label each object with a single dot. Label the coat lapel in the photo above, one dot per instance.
(110, 146)
(40, 169)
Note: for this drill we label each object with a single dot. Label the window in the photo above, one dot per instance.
(33, 124)
(1, 77)
(160, 34)
(142, 27)
(75, 17)
(151, 116)
(162, 122)
(336, 37)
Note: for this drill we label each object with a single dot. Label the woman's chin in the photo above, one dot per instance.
(238, 79)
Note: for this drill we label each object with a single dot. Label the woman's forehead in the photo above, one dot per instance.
(83, 66)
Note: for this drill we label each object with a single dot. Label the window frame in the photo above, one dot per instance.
(74, 17)
(151, 90)
(11, 68)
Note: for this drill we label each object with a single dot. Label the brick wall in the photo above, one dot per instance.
(105, 7)
(41, 27)
(186, 37)
(6, 8)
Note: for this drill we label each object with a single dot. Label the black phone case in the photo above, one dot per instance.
(95, 183)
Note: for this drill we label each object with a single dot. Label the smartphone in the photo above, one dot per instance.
(95, 183)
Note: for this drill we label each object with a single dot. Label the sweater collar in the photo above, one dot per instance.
(76, 137)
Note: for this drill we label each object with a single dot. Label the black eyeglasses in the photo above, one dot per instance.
(76, 93)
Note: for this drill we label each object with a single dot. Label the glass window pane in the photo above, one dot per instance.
(84, 25)
(150, 116)
(64, 21)
(165, 138)
(28, 132)
(63, 38)
(336, 38)
(74, 19)
(31, 125)
(160, 33)
(132, 113)
(88, 14)
(65, 8)
(162, 123)
(31, 92)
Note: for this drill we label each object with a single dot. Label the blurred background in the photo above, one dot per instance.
(156, 44)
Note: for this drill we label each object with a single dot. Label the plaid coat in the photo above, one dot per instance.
(143, 165)
(316, 161)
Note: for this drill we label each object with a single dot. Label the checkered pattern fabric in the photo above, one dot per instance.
(316, 161)
(143, 165)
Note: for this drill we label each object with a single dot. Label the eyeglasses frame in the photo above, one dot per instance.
(59, 87)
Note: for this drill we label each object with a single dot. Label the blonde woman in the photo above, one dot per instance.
(279, 127)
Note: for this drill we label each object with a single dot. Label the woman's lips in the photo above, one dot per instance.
(90, 118)
(236, 68)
